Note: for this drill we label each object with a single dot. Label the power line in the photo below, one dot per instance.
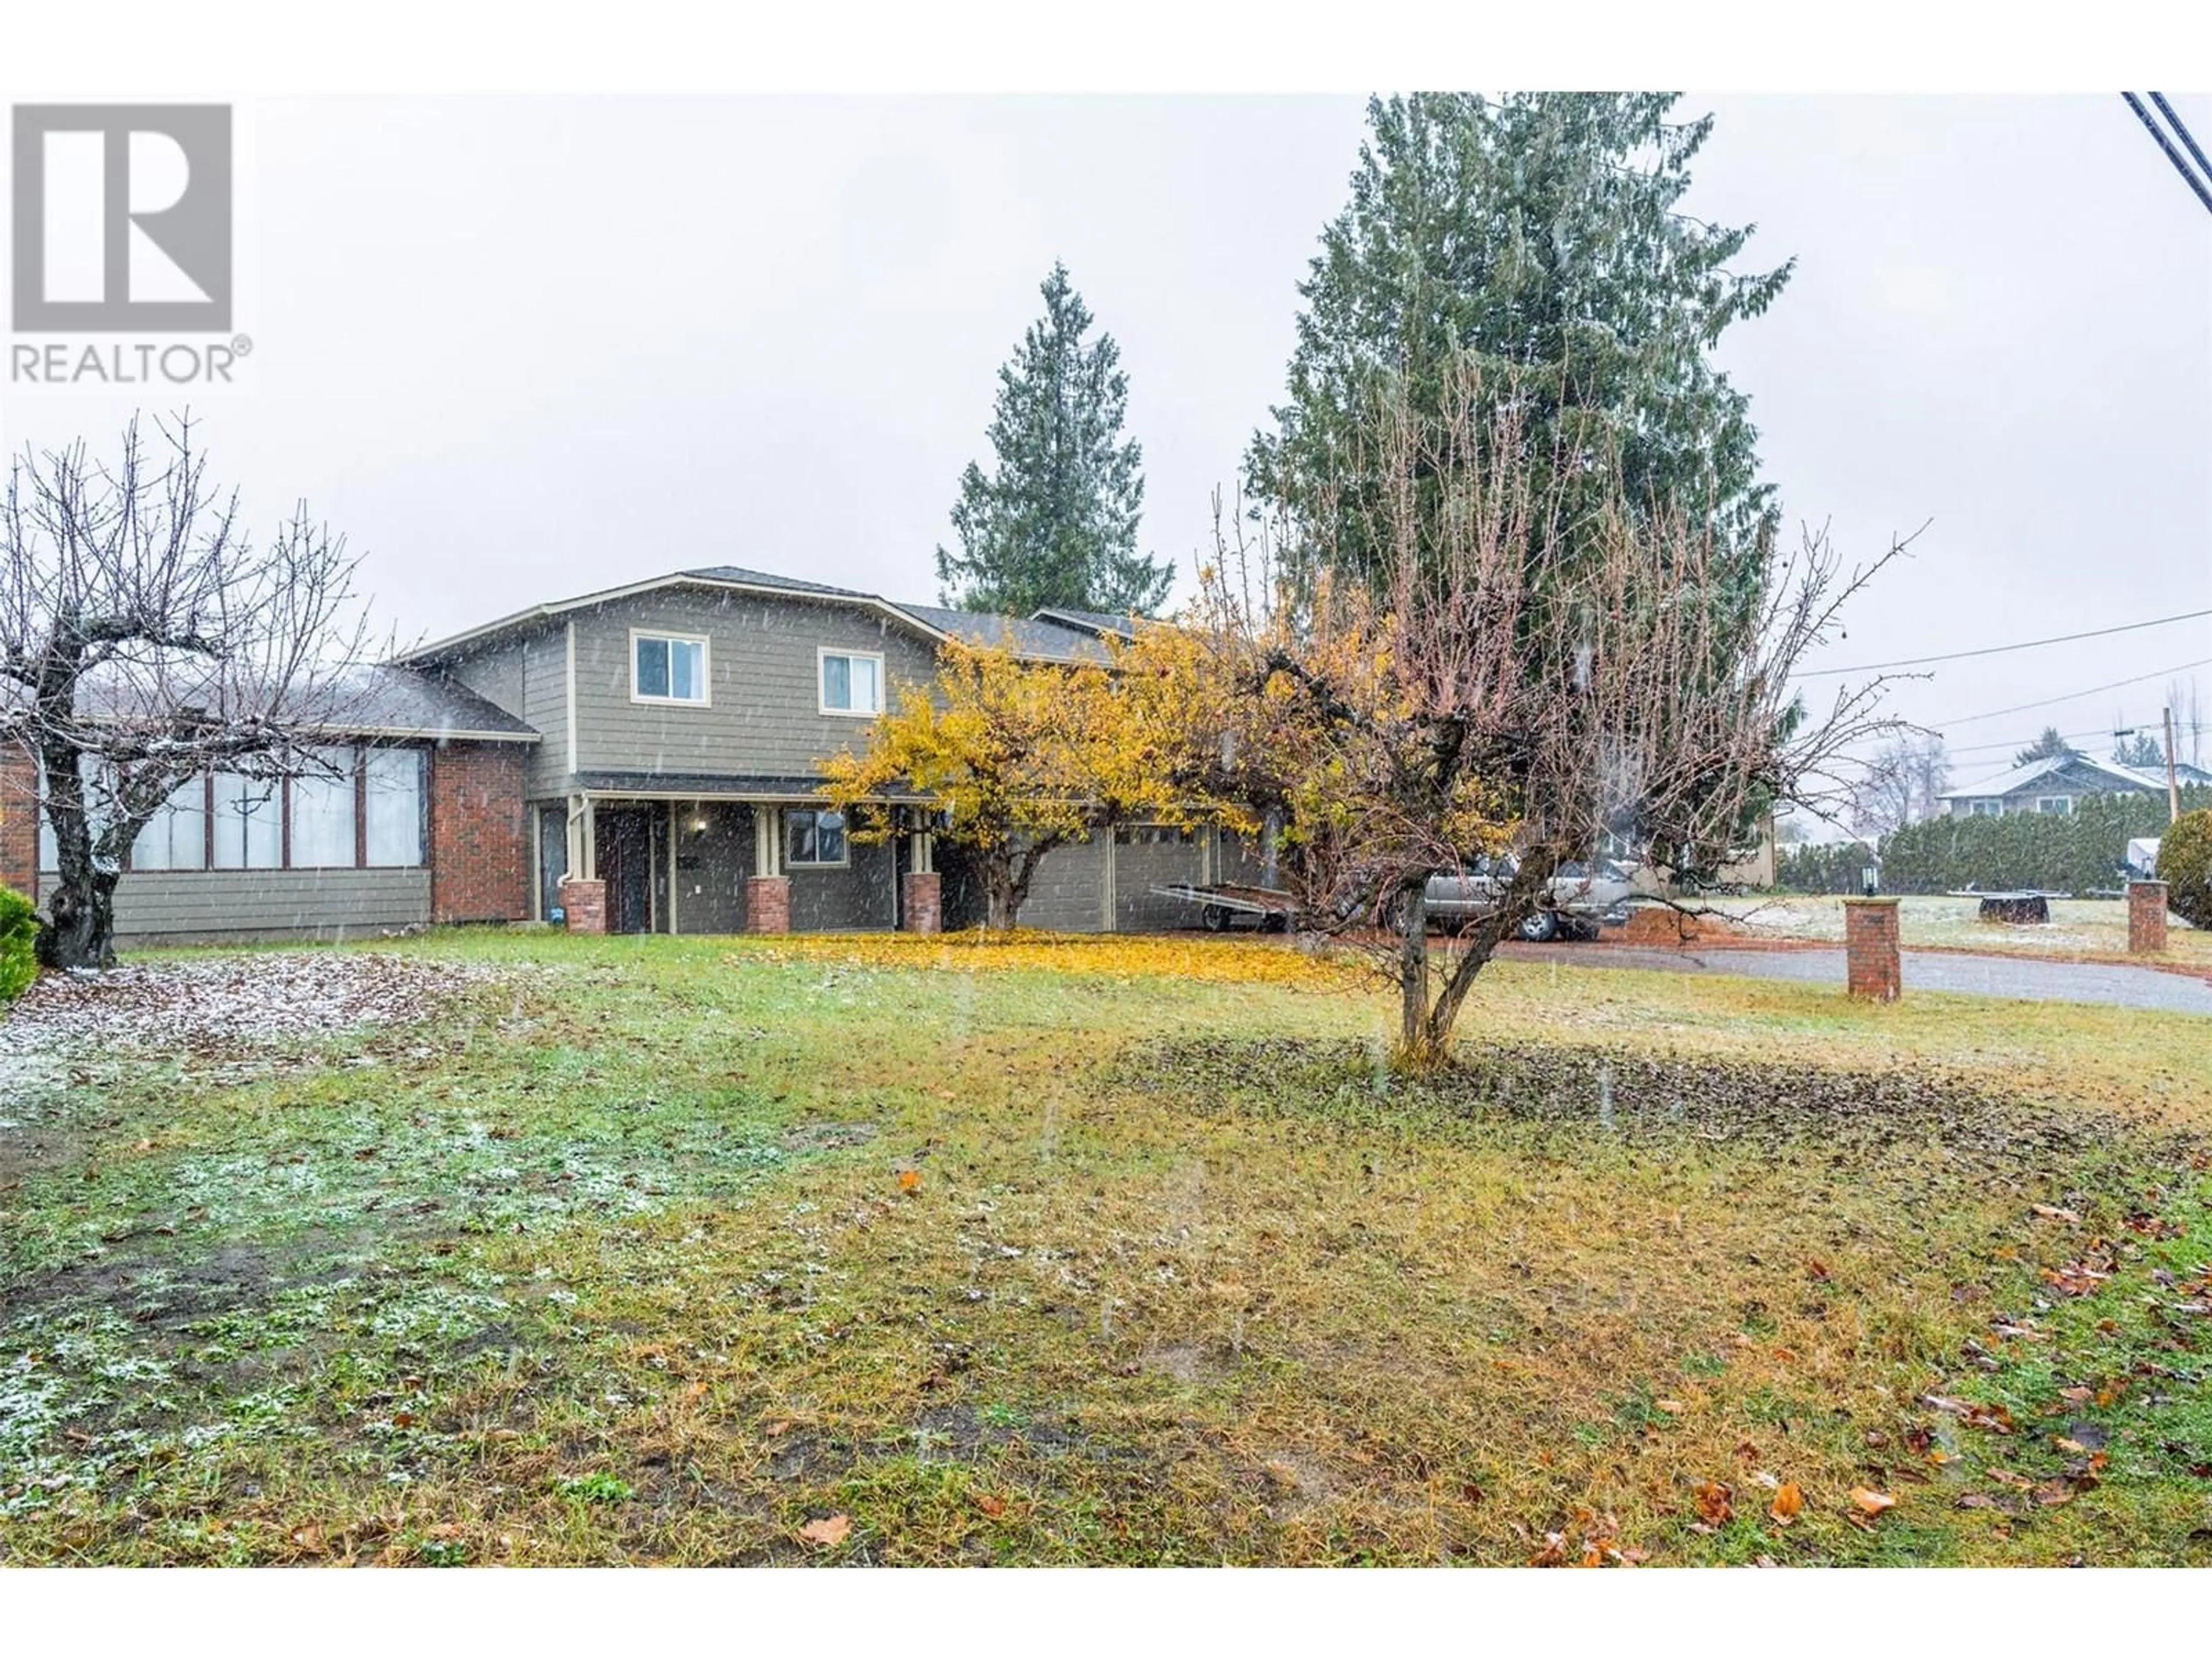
(2073, 697)
(2173, 120)
(1998, 650)
(2158, 134)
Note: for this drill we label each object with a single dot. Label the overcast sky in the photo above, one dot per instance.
(523, 349)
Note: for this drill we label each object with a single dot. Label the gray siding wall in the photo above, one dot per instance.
(546, 706)
(529, 678)
(764, 715)
(213, 904)
(858, 896)
(1068, 894)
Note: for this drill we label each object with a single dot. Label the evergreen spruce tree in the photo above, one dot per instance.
(1541, 234)
(1054, 522)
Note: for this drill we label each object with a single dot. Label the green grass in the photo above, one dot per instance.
(617, 1263)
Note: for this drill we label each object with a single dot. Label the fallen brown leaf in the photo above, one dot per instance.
(830, 1531)
(1871, 1502)
(1713, 1505)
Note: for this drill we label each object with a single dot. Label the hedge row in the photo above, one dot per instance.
(2057, 851)
(19, 933)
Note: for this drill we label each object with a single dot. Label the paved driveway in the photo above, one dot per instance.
(2024, 977)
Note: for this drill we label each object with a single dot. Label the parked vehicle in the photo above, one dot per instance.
(1578, 899)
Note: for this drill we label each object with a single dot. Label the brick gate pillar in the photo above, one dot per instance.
(2146, 917)
(1872, 969)
(19, 820)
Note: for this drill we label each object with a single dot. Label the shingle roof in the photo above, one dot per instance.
(2019, 777)
(731, 572)
(1025, 636)
(1093, 622)
(409, 701)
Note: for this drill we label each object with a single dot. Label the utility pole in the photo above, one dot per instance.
(2173, 780)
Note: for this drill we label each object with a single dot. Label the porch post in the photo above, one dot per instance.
(922, 899)
(768, 892)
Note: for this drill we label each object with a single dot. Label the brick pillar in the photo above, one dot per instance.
(19, 821)
(585, 904)
(1871, 968)
(768, 904)
(2146, 917)
(479, 833)
(923, 901)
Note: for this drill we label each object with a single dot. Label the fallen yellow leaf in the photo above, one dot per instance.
(1872, 1502)
(1789, 1501)
(909, 1181)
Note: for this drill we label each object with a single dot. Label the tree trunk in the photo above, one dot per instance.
(1414, 975)
(999, 894)
(79, 929)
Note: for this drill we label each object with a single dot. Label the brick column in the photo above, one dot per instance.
(2146, 916)
(1871, 967)
(585, 904)
(922, 903)
(768, 904)
(19, 821)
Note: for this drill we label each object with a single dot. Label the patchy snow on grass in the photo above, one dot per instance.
(253, 1001)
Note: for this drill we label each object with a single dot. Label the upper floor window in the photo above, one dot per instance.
(667, 668)
(852, 683)
(2054, 803)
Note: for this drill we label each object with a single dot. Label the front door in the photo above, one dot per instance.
(552, 858)
(625, 849)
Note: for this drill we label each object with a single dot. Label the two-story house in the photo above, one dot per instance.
(659, 744)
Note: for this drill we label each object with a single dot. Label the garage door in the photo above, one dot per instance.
(1145, 854)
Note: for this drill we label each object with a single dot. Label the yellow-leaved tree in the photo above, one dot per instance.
(1025, 757)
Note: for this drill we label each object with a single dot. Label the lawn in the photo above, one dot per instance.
(520, 1249)
(2077, 927)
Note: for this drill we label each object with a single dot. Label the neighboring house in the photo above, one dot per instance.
(660, 745)
(2053, 785)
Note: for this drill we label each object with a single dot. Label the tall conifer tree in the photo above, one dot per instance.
(1054, 521)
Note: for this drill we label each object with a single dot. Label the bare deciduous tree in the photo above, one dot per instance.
(145, 639)
(1902, 783)
(1502, 687)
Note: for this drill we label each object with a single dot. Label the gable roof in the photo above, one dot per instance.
(394, 702)
(1093, 622)
(2108, 776)
(1033, 637)
(1030, 637)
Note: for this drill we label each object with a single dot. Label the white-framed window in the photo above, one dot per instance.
(175, 838)
(2054, 804)
(322, 813)
(392, 781)
(1986, 808)
(852, 683)
(814, 836)
(667, 668)
(249, 823)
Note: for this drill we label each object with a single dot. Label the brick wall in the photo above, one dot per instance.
(1872, 969)
(479, 835)
(19, 821)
